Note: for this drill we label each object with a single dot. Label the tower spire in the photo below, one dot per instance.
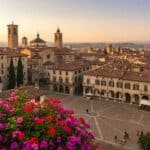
(38, 35)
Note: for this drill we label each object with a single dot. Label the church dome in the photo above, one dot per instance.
(37, 42)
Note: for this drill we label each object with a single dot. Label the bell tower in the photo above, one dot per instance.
(12, 36)
(58, 39)
(24, 42)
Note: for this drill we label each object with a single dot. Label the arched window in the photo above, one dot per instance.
(135, 87)
(119, 84)
(111, 83)
(60, 80)
(103, 82)
(127, 86)
(15, 31)
(97, 82)
(88, 81)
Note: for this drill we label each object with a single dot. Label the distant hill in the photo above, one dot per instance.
(101, 45)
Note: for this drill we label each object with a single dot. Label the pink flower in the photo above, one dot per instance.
(19, 120)
(35, 146)
(15, 133)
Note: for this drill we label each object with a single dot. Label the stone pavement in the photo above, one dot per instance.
(108, 119)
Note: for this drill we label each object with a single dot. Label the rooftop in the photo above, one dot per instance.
(143, 76)
(71, 66)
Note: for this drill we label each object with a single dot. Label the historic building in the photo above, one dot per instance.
(12, 36)
(113, 84)
(46, 56)
(5, 56)
(67, 78)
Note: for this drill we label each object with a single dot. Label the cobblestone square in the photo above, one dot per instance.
(109, 118)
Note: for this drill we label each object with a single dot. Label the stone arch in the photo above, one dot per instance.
(136, 98)
(111, 94)
(61, 88)
(55, 87)
(118, 95)
(88, 90)
(96, 92)
(67, 90)
(127, 98)
(145, 97)
(103, 93)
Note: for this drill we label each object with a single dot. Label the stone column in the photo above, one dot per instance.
(71, 90)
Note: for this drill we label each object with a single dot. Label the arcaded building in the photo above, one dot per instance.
(116, 85)
(67, 78)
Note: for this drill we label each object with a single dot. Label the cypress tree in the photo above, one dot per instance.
(19, 72)
(11, 75)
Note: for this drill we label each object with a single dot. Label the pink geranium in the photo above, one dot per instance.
(19, 120)
(25, 124)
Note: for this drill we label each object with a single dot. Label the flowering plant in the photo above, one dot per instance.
(28, 125)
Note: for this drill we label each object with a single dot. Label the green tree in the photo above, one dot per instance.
(144, 141)
(11, 75)
(19, 72)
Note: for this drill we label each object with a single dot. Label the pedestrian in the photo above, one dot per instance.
(115, 137)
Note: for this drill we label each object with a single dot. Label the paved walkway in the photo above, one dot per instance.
(109, 118)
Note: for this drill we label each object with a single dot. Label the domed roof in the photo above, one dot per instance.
(38, 40)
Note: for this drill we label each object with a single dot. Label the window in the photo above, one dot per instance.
(48, 56)
(9, 31)
(103, 82)
(111, 83)
(119, 85)
(75, 72)
(135, 87)
(88, 81)
(53, 71)
(15, 31)
(66, 72)
(2, 66)
(60, 72)
(1, 57)
(145, 88)
(127, 85)
(97, 82)
(79, 71)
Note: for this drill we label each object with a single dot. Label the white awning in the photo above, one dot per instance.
(145, 102)
(89, 94)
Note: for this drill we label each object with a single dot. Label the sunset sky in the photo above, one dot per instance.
(79, 20)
